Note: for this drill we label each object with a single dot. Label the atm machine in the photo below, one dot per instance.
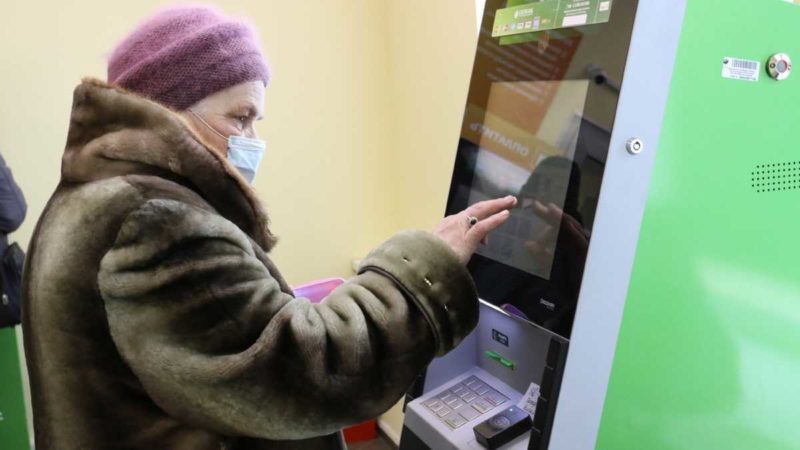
(652, 145)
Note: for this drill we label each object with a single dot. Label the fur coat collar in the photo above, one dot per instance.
(113, 132)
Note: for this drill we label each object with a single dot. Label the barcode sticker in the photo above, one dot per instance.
(741, 69)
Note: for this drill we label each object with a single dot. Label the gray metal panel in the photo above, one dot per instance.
(528, 344)
(462, 359)
(527, 347)
(623, 196)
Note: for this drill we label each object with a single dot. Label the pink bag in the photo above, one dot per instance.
(317, 290)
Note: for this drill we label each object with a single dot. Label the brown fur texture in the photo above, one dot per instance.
(154, 318)
(114, 132)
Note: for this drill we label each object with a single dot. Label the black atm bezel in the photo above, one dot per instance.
(478, 264)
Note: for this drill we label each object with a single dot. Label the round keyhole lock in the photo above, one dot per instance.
(634, 146)
(779, 66)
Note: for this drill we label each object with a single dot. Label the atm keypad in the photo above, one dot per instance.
(464, 401)
(459, 389)
(469, 413)
(482, 390)
(431, 403)
(455, 420)
(495, 398)
(449, 399)
(482, 406)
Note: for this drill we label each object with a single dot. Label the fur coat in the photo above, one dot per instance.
(154, 318)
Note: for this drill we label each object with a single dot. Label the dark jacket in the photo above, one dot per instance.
(154, 318)
(12, 205)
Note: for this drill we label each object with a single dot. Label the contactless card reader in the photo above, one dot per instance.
(503, 427)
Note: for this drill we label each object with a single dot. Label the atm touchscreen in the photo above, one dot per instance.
(537, 125)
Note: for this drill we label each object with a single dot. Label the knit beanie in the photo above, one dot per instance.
(184, 54)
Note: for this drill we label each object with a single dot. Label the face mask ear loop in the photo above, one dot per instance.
(209, 126)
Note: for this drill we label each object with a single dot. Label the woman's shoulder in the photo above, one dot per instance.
(92, 210)
(126, 192)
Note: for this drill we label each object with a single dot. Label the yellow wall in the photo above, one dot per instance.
(362, 113)
(432, 46)
(324, 176)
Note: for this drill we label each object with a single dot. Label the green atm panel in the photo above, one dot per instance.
(13, 428)
(708, 355)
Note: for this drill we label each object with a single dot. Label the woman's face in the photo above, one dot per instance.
(231, 112)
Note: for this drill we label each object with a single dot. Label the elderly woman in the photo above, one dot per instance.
(154, 317)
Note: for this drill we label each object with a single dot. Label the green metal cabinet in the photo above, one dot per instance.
(13, 428)
(708, 355)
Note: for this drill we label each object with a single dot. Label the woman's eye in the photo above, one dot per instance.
(240, 121)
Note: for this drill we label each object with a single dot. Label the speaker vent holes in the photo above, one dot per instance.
(776, 177)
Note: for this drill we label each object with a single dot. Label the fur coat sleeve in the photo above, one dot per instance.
(195, 312)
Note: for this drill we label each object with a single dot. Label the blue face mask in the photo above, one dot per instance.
(243, 152)
(246, 154)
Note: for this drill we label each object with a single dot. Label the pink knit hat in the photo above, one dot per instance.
(184, 54)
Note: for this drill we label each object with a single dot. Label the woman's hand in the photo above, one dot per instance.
(464, 237)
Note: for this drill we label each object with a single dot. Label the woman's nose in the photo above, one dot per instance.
(250, 132)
